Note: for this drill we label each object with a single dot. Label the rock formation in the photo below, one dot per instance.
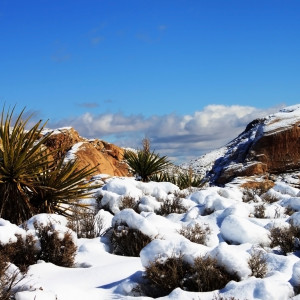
(269, 145)
(108, 158)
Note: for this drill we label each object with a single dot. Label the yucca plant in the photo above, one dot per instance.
(30, 182)
(182, 180)
(21, 159)
(60, 186)
(145, 163)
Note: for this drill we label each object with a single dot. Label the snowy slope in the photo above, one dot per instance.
(235, 233)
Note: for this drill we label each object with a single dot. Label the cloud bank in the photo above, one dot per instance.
(180, 137)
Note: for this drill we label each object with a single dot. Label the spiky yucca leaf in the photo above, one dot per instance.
(21, 159)
(145, 163)
(60, 187)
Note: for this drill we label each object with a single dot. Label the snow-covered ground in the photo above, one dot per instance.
(234, 234)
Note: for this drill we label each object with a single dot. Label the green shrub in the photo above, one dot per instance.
(127, 241)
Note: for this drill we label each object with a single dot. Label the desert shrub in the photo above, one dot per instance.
(8, 280)
(207, 275)
(58, 250)
(260, 211)
(289, 210)
(129, 202)
(22, 253)
(164, 275)
(31, 181)
(145, 163)
(127, 241)
(220, 297)
(286, 238)
(269, 198)
(258, 264)
(171, 206)
(196, 234)
(86, 223)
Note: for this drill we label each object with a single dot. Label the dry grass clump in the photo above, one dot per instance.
(196, 234)
(129, 202)
(171, 206)
(286, 238)
(252, 188)
(161, 277)
(258, 264)
(127, 241)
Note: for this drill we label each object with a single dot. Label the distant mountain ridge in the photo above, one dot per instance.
(268, 145)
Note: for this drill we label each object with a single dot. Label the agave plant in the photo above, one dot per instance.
(30, 181)
(145, 163)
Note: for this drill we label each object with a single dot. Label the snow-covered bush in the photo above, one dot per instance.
(129, 237)
(54, 248)
(22, 252)
(205, 274)
(258, 264)
(196, 233)
(286, 238)
(169, 206)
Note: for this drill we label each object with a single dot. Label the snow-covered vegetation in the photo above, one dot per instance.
(235, 236)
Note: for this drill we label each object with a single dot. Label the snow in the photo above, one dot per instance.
(71, 154)
(234, 233)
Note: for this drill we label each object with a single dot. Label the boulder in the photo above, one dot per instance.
(106, 157)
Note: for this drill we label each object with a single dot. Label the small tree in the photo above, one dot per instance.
(145, 163)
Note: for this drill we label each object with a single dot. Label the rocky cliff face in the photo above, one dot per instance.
(268, 145)
(108, 158)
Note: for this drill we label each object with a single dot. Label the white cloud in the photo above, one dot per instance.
(180, 137)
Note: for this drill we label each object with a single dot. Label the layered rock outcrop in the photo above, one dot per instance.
(269, 145)
(106, 157)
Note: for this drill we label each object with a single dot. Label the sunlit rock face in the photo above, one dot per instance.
(268, 145)
(107, 158)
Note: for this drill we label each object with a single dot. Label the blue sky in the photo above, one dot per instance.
(120, 70)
